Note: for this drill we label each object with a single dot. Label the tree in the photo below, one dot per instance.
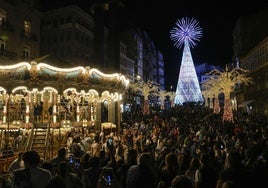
(211, 91)
(162, 94)
(172, 95)
(145, 89)
(226, 82)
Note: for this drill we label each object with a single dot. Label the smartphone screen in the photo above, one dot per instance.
(108, 176)
(109, 142)
(108, 180)
(71, 159)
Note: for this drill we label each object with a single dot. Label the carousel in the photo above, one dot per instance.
(41, 105)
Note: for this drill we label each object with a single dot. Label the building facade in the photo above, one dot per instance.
(256, 61)
(72, 36)
(67, 35)
(19, 31)
(251, 50)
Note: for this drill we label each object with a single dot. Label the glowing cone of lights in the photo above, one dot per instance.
(186, 33)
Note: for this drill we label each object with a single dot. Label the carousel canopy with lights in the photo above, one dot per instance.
(25, 86)
(39, 75)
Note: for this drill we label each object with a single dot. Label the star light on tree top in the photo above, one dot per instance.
(186, 30)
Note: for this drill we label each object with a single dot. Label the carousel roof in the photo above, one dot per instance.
(40, 75)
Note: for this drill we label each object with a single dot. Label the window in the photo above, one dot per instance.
(2, 44)
(3, 17)
(122, 48)
(55, 22)
(61, 21)
(26, 52)
(27, 28)
(68, 36)
(62, 36)
(49, 39)
(77, 36)
(69, 19)
(55, 38)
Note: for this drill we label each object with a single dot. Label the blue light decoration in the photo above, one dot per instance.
(187, 32)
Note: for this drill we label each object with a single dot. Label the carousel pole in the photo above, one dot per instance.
(8, 122)
(27, 111)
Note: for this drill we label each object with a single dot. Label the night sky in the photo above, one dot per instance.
(159, 17)
(217, 22)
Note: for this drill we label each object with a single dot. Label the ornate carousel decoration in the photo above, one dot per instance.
(37, 94)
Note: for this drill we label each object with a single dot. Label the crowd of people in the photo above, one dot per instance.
(182, 147)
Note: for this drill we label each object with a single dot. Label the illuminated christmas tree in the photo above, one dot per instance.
(186, 33)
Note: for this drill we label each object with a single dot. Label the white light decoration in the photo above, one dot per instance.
(27, 114)
(72, 90)
(84, 123)
(227, 82)
(51, 95)
(54, 113)
(44, 65)
(16, 66)
(23, 88)
(186, 33)
(112, 76)
(42, 97)
(121, 108)
(34, 91)
(188, 88)
(5, 114)
(29, 98)
(91, 112)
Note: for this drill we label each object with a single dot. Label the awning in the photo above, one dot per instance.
(245, 103)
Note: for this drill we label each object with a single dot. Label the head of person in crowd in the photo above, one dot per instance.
(62, 153)
(229, 184)
(171, 160)
(194, 164)
(145, 160)
(164, 151)
(204, 158)
(182, 181)
(233, 160)
(94, 162)
(132, 156)
(31, 159)
(85, 160)
(17, 163)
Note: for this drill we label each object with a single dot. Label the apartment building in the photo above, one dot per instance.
(19, 31)
(251, 49)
